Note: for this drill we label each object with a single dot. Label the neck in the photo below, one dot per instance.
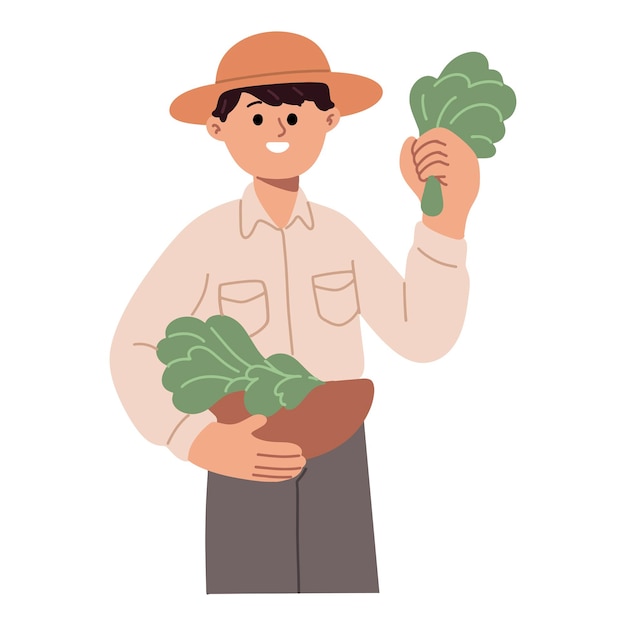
(278, 197)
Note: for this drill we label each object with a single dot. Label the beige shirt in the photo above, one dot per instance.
(299, 290)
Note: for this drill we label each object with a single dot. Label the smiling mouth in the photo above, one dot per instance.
(277, 146)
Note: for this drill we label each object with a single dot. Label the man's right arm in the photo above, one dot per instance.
(176, 286)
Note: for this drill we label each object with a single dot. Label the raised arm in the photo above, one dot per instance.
(421, 315)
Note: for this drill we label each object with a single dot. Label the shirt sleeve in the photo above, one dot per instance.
(174, 287)
(421, 315)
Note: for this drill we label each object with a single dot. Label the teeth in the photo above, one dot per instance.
(277, 146)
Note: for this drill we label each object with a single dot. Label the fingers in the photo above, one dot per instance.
(276, 460)
(421, 144)
(276, 469)
(407, 167)
(232, 450)
(272, 467)
(430, 158)
(294, 463)
(422, 158)
(269, 474)
(266, 474)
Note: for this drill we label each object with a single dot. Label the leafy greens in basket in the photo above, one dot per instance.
(206, 361)
(469, 99)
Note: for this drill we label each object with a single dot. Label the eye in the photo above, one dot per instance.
(292, 119)
(257, 120)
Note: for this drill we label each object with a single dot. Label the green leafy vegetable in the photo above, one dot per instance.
(469, 99)
(207, 360)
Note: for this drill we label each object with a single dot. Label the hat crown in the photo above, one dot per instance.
(272, 53)
(270, 59)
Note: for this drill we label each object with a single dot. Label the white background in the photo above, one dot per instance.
(497, 473)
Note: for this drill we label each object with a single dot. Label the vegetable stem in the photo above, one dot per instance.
(432, 198)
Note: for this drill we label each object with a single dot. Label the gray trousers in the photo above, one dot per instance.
(313, 533)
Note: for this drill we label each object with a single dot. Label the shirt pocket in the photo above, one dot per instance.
(246, 301)
(336, 297)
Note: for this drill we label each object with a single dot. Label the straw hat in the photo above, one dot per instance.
(270, 59)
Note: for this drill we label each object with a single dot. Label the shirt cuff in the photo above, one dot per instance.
(439, 248)
(186, 432)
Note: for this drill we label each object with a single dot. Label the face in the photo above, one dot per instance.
(274, 142)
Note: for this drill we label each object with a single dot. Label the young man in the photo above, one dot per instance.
(297, 276)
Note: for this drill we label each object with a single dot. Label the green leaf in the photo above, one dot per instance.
(436, 101)
(198, 394)
(237, 384)
(480, 120)
(498, 98)
(467, 98)
(291, 391)
(283, 382)
(230, 336)
(260, 396)
(286, 364)
(200, 360)
(181, 334)
(473, 65)
(420, 107)
(207, 360)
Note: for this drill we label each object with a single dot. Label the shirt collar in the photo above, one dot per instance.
(252, 213)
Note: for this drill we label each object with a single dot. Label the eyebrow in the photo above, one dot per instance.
(253, 103)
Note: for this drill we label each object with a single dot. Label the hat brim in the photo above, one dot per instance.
(351, 93)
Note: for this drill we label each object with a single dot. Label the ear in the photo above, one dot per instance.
(332, 118)
(215, 127)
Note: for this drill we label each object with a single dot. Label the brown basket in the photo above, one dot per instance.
(328, 416)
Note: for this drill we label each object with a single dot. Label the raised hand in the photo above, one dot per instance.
(444, 155)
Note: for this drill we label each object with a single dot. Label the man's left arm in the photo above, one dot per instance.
(421, 315)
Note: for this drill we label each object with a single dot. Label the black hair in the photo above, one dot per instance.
(275, 95)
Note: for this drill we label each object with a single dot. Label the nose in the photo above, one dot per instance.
(283, 130)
